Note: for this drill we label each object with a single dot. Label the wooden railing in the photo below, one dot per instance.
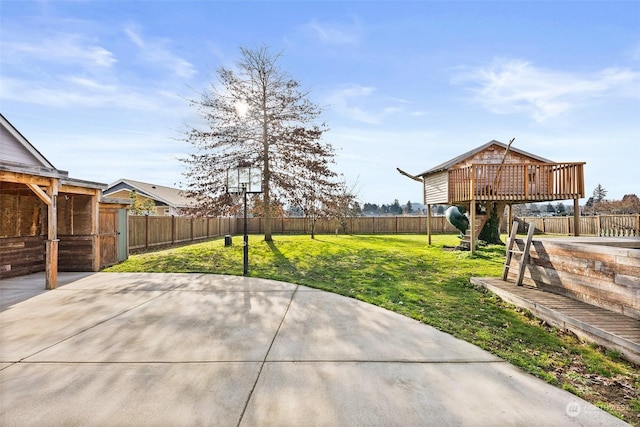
(599, 225)
(517, 182)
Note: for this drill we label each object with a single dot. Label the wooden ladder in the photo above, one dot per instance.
(511, 251)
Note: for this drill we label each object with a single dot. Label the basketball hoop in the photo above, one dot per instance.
(242, 181)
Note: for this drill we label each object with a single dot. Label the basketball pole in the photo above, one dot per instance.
(245, 270)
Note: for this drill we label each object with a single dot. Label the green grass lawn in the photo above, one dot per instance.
(428, 283)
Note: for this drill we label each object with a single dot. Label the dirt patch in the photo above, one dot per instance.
(615, 393)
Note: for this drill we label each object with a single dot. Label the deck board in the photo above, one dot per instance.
(607, 328)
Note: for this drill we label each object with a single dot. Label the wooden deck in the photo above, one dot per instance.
(604, 327)
(516, 182)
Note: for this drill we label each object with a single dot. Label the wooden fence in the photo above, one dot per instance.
(147, 232)
(598, 225)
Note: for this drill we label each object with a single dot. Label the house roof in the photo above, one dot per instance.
(35, 154)
(170, 196)
(20, 156)
(448, 164)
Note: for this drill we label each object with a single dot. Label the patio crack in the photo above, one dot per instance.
(266, 356)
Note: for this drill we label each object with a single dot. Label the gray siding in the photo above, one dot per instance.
(11, 150)
(436, 188)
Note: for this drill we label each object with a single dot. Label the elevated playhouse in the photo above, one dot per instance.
(496, 175)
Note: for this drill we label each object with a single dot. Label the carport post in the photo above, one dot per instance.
(52, 244)
(50, 198)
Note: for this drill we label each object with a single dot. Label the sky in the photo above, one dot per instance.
(102, 89)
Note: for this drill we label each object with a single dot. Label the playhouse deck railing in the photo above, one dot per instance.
(524, 182)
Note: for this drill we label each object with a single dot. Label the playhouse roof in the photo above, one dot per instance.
(448, 164)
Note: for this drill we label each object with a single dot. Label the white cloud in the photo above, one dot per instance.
(344, 99)
(516, 86)
(361, 104)
(70, 91)
(156, 51)
(59, 47)
(333, 34)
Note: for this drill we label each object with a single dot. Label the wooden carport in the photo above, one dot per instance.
(49, 221)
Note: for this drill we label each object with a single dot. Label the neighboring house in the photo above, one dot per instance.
(49, 221)
(167, 200)
(505, 175)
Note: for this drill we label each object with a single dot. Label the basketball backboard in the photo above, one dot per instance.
(244, 179)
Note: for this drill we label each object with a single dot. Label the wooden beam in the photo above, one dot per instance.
(40, 193)
(408, 175)
(72, 189)
(20, 178)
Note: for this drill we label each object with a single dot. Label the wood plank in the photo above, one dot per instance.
(591, 328)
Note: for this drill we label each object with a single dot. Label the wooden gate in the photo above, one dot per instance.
(108, 237)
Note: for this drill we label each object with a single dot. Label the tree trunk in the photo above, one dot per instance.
(491, 231)
(266, 169)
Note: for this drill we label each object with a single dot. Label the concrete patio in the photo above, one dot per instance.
(193, 349)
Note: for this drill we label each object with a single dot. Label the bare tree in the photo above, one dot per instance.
(344, 205)
(260, 116)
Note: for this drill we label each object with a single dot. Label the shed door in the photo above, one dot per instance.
(123, 235)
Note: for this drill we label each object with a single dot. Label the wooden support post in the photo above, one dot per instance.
(429, 224)
(51, 262)
(51, 268)
(472, 221)
(95, 230)
(50, 198)
(576, 217)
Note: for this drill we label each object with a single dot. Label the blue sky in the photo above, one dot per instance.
(101, 88)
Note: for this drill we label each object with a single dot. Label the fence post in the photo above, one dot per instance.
(598, 226)
(191, 224)
(173, 229)
(146, 231)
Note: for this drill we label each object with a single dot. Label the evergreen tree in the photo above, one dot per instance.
(599, 193)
